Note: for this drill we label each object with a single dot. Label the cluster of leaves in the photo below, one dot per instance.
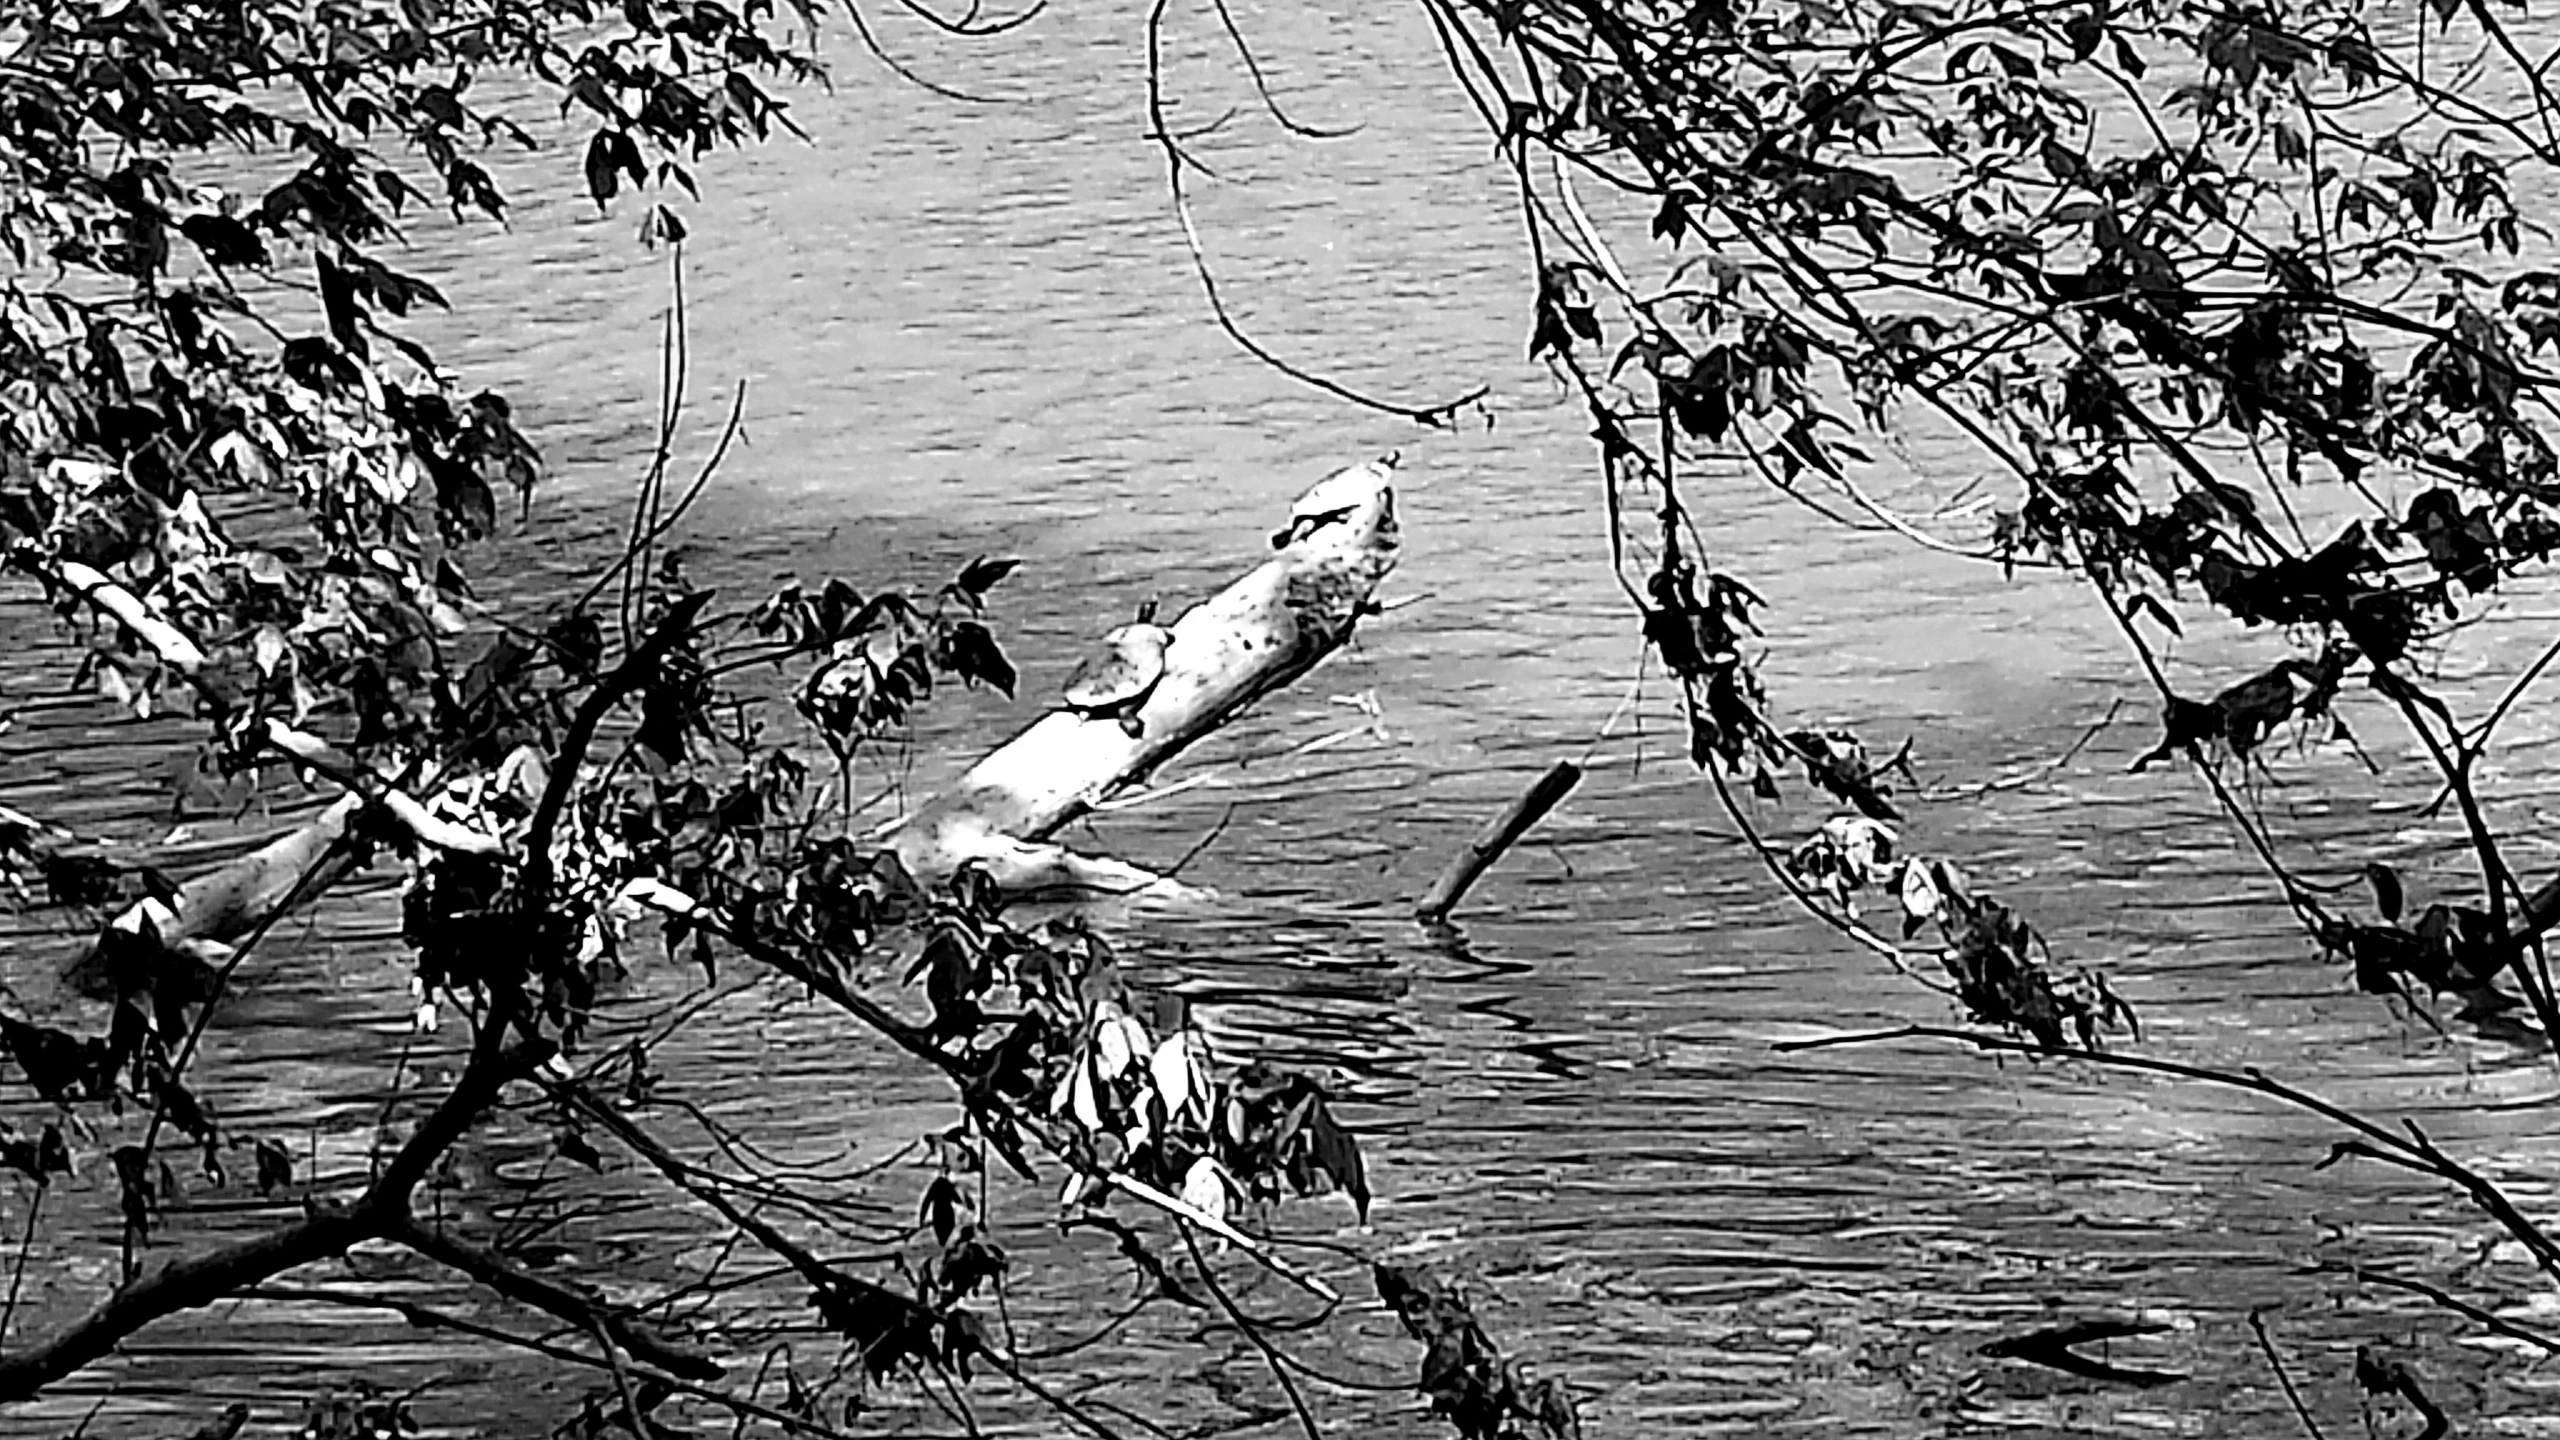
(2002, 969)
(2445, 949)
(1464, 1374)
(1040, 1036)
(1045, 1038)
(179, 172)
(883, 652)
(2245, 715)
(2274, 352)
(1150, 1105)
(2089, 304)
(705, 793)
(109, 1095)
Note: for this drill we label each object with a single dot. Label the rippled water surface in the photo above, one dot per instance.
(972, 328)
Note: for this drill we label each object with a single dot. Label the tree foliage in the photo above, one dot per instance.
(2238, 307)
(228, 468)
(206, 210)
(2238, 316)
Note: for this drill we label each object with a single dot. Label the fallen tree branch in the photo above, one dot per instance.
(1258, 635)
(242, 895)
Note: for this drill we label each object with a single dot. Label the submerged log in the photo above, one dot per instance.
(178, 944)
(1259, 634)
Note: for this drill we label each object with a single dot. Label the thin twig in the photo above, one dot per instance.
(2275, 1362)
(1178, 161)
(18, 1272)
(1253, 1333)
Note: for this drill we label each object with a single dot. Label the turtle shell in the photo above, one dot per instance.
(1129, 665)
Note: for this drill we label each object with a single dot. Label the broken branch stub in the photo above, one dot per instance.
(1498, 836)
(1259, 634)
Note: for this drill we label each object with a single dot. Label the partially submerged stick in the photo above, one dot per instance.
(1503, 833)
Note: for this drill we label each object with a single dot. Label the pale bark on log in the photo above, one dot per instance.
(219, 908)
(233, 900)
(1254, 637)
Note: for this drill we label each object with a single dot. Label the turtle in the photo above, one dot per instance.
(1335, 498)
(1114, 683)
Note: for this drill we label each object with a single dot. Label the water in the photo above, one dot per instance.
(974, 329)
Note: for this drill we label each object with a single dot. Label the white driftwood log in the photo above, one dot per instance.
(238, 897)
(1257, 635)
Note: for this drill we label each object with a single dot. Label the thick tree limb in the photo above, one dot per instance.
(180, 1285)
(198, 1280)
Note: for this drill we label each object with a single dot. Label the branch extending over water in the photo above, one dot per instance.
(2411, 1151)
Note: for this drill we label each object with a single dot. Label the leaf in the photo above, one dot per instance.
(661, 226)
(2388, 897)
(940, 1210)
(611, 155)
(981, 574)
(275, 1165)
(1112, 1050)
(60, 1066)
(1080, 1098)
(225, 241)
(268, 649)
(338, 302)
(1204, 1188)
(1918, 893)
(2144, 603)
(1170, 1069)
(1338, 1156)
(1672, 220)
(970, 652)
(572, 1145)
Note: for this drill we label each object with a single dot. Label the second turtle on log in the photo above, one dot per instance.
(1115, 683)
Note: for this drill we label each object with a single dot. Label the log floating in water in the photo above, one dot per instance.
(1503, 833)
(1262, 632)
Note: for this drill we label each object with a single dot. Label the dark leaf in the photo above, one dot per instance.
(338, 301)
(226, 242)
(572, 1145)
(1338, 1155)
(610, 156)
(940, 1211)
(275, 1166)
(970, 652)
(2387, 895)
(981, 574)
